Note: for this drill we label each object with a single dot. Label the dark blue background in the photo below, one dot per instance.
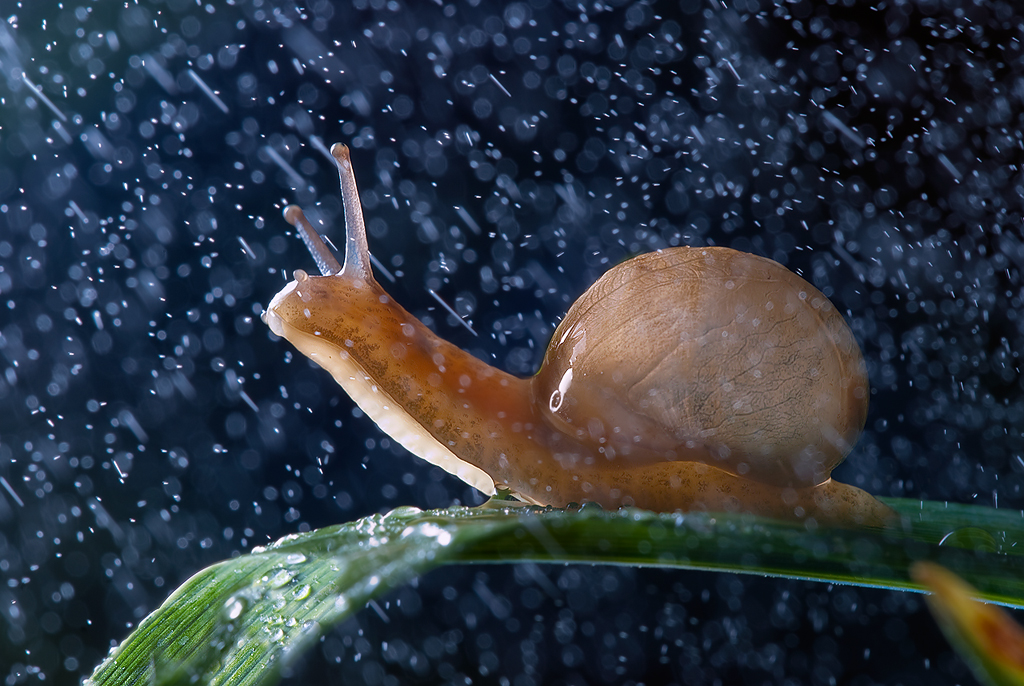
(149, 424)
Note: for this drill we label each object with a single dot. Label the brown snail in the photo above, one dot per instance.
(688, 378)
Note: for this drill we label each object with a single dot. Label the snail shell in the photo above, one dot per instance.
(709, 354)
(689, 378)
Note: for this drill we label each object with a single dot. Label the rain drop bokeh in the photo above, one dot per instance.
(508, 153)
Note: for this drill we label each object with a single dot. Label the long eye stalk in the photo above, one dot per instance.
(357, 252)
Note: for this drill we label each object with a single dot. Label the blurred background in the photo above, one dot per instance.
(507, 155)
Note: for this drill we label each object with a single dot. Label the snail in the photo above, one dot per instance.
(688, 378)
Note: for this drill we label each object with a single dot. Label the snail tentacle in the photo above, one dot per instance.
(357, 250)
(325, 260)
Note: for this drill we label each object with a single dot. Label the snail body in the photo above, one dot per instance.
(688, 378)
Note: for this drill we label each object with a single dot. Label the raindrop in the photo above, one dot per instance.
(281, 578)
(234, 607)
(970, 538)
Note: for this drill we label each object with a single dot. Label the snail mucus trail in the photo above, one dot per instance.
(683, 379)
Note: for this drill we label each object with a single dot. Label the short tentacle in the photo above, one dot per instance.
(325, 260)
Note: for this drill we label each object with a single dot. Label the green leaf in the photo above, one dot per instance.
(242, 621)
